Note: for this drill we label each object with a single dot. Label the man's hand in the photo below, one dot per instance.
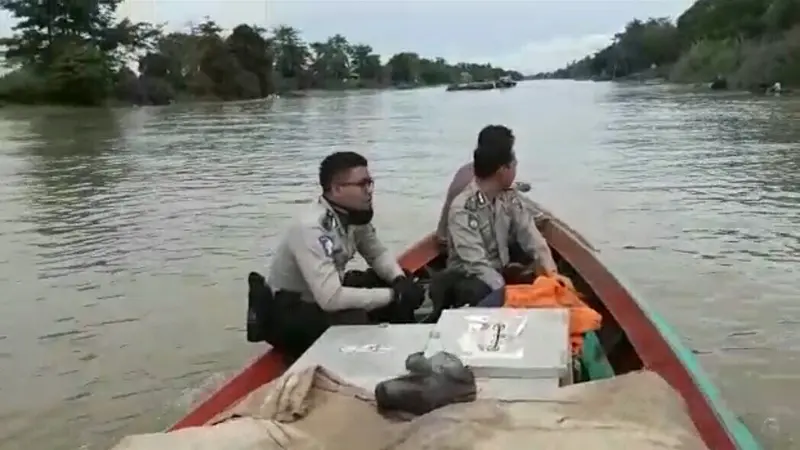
(407, 293)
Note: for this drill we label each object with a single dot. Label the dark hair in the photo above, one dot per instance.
(336, 164)
(494, 133)
(495, 149)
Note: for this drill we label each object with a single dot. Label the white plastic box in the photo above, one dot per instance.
(505, 342)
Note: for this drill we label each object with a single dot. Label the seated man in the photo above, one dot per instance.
(308, 276)
(466, 173)
(484, 218)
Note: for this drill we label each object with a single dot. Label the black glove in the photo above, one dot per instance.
(515, 273)
(407, 293)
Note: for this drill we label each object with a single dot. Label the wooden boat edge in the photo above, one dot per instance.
(658, 345)
(256, 373)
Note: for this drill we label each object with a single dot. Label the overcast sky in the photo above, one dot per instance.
(530, 35)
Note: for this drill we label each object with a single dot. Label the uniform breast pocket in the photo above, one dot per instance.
(486, 229)
(503, 222)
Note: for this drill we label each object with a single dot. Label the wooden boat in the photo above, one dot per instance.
(476, 86)
(632, 337)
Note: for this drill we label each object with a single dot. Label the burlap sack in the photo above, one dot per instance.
(315, 410)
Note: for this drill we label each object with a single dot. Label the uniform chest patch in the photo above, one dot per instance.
(327, 245)
(472, 222)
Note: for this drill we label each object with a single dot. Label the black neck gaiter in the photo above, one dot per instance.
(352, 216)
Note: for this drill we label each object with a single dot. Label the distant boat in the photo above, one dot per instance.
(476, 86)
(505, 82)
(502, 83)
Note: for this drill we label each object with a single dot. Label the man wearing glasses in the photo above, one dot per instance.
(308, 282)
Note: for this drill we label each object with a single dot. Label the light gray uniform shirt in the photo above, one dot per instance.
(312, 258)
(461, 179)
(479, 231)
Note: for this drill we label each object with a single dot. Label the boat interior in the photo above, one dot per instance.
(606, 353)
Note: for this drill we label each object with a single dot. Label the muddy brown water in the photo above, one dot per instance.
(125, 237)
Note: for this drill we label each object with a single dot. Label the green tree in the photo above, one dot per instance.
(254, 55)
(750, 42)
(72, 50)
(75, 52)
(291, 53)
(404, 68)
(366, 64)
(338, 57)
(201, 64)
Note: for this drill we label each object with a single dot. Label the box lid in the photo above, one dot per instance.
(505, 342)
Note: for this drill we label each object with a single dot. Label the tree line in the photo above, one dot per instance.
(80, 53)
(750, 43)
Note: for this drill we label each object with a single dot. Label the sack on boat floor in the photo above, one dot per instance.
(314, 410)
(637, 411)
(241, 434)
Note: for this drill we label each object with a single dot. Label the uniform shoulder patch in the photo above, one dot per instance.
(475, 202)
(327, 245)
(469, 204)
(515, 201)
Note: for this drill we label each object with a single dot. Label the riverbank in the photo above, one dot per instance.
(22, 88)
(750, 44)
(33, 99)
(207, 63)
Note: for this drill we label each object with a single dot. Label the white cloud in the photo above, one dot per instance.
(540, 55)
(178, 13)
(550, 54)
(556, 32)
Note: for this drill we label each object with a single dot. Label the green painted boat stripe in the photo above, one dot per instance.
(743, 437)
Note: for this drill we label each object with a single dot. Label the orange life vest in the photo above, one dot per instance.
(556, 292)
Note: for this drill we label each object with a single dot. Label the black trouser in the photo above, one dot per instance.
(454, 289)
(292, 325)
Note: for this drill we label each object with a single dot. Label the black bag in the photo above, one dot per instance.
(259, 302)
(431, 384)
(282, 319)
(288, 323)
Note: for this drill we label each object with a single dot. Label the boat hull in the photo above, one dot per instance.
(633, 337)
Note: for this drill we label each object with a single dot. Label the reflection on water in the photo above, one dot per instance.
(126, 235)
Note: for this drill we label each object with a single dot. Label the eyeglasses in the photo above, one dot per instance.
(366, 183)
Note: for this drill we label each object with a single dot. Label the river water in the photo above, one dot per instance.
(125, 236)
